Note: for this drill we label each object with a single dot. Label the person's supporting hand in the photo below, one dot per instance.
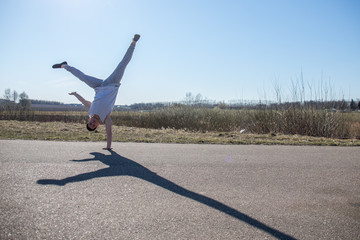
(72, 93)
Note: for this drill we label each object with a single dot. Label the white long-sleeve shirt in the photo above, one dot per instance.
(104, 101)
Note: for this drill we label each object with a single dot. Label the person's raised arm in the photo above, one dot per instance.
(86, 103)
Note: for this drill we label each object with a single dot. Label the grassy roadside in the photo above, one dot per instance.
(60, 131)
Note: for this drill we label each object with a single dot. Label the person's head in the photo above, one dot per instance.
(92, 123)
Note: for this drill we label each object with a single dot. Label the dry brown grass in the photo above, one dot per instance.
(295, 120)
(61, 131)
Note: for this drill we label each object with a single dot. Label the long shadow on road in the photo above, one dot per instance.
(121, 166)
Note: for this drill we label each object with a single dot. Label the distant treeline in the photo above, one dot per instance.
(39, 105)
(341, 105)
(10, 101)
(45, 102)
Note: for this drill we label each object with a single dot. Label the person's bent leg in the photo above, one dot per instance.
(116, 76)
(90, 81)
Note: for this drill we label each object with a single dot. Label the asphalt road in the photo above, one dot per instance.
(71, 190)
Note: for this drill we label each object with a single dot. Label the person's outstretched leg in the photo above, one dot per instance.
(116, 76)
(90, 81)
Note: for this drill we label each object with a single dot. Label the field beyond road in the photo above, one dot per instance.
(76, 190)
(60, 131)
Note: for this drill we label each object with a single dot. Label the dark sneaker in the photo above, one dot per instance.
(58, 65)
(136, 37)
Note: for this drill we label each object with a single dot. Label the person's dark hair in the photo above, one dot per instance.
(90, 128)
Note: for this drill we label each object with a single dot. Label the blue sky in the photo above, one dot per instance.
(224, 50)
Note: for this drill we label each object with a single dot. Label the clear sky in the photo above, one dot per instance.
(224, 50)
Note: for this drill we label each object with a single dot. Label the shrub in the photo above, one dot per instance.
(295, 119)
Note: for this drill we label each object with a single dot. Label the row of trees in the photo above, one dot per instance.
(22, 99)
(354, 106)
(13, 99)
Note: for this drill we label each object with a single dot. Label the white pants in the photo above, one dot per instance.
(114, 78)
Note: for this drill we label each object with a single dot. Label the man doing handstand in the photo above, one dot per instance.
(105, 92)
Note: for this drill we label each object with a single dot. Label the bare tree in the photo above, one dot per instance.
(189, 99)
(277, 89)
(23, 95)
(15, 96)
(352, 105)
(198, 98)
(7, 94)
(25, 103)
